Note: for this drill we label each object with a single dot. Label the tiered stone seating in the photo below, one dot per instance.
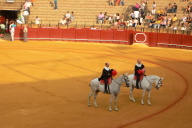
(87, 10)
(11, 5)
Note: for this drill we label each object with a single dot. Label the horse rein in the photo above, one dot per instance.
(152, 84)
(117, 82)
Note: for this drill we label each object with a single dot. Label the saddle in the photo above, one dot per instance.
(142, 73)
(140, 79)
(103, 83)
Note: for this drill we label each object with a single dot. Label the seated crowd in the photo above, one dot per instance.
(154, 19)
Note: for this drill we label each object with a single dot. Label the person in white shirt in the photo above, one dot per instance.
(63, 21)
(68, 15)
(136, 13)
(12, 30)
(153, 8)
(37, 20)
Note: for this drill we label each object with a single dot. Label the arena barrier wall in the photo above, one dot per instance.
(107, 36)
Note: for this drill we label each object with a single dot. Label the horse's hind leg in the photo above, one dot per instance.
(89, 97)
(95, 97)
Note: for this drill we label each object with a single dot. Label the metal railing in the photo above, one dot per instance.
(86, 24)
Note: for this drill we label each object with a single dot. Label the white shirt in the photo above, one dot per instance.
(107, 68)
(68, 15)
(136, 13)
(37, 21)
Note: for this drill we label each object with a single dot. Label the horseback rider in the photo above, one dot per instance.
(106, 74)
(139, 71)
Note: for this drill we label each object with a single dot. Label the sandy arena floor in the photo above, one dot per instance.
(46, 85)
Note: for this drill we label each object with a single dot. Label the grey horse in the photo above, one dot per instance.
(146, 85)
(114, 88)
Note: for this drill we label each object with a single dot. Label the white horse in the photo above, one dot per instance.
(114, 88)
(146, 85)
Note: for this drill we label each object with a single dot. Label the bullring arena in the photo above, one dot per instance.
(45, 84)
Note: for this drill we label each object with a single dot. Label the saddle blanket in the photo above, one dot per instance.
(103, 83)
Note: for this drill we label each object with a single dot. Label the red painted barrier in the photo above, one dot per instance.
(56, 34)
(33, 33)
(129, 37)
(94, 35)
(163, 38)
(69, 34)
(43, 33)
(152, 39)
(187, 40)
(175, 39)
(18, 32)
(107, 35)
(120, 35)
(82, 34)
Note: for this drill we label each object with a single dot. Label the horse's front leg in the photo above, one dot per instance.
(89, 97)
(131, 94)
(111, 99)
(143, 95)
(95, 98)
(115, 103)
(149, 97)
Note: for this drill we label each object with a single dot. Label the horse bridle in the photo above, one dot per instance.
(119, 83)
(152, 84)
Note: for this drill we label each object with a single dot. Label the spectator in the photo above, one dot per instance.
(130, 23)
(136, 13)
(28, 5)
(72, 16)
(152, 22)
(111, 2)
(157, 23)
(169, 20)
(164, 21)
(169, 8)
(101, 18)
(174, 19)
(55, 5)
(153, 8)
(37, 20)
(188, 20)
(184, 28)
(188, 9)
(135, 22)
(2, 32)
(32, 2)
(68, 15)
(63, 21)
(142, 5)
(136, 7)
(25, 15)
(12, 30)
(174, 27)
(174, 8)
(117, 17)
(122, 2)
(25, 31)
(182, 23)
(117, 2)
(6, 25)
(132, 15)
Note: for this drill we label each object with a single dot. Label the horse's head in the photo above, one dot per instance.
(126, 79)
(159, 83)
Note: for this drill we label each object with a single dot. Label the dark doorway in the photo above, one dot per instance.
(9, 14)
